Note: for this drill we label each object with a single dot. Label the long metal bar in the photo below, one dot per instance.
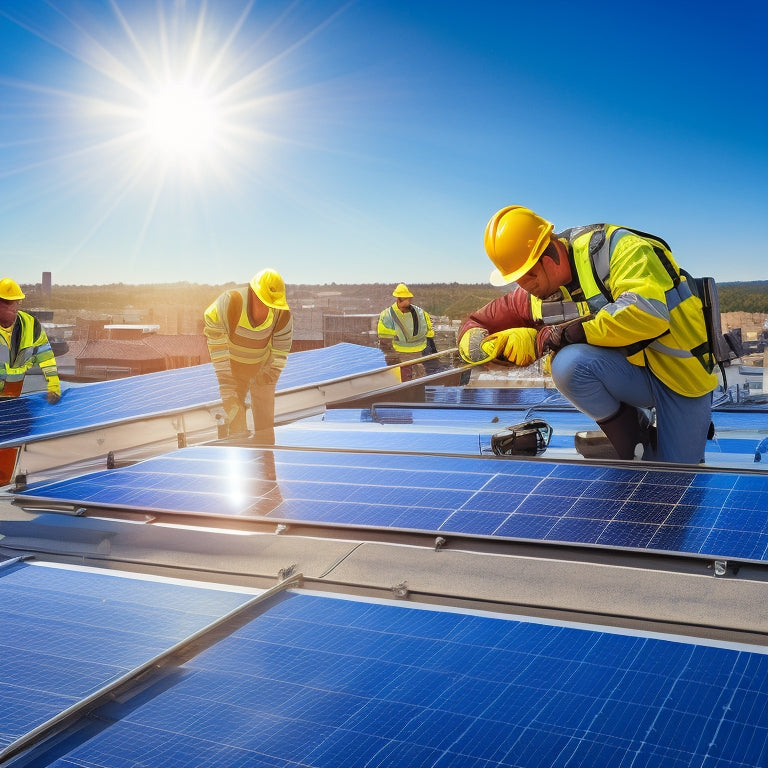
(67, 716)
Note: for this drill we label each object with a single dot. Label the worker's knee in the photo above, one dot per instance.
(571, 362)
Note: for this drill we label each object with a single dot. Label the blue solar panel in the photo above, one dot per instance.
(380, 441)
(30, 417)
(696, 512)
(565, 424)
(327, 682)
(67, 633)
(517, 397)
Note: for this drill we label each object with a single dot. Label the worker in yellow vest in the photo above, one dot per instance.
(405, 333)
(624, 329)
(23, 342)
(249, 332)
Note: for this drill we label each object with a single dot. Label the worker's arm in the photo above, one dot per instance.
(430, 330)
(45, 358)
(508, 313)
(282, 338)
(217, 336)
(385, 329)
(386, 332)
(513, 310)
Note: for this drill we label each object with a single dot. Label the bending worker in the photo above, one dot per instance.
(249, 332)
(23, 342)
(405, 331)
(619, 319)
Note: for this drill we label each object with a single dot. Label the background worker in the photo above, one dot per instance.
(405, 332)
(623, 327)
(23, 342)
(249, 332)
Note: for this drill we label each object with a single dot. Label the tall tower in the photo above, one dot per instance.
(47, 285)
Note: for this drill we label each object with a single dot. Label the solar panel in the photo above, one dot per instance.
(330, 682)
(516, 397)
(67, 633)
(524, 397)
(30, 417)
(694, 512)
(735, 433)
(371, 439)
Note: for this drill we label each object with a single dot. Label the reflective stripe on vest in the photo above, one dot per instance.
(405, 341)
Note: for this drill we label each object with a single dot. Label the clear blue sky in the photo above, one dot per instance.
(370, 141)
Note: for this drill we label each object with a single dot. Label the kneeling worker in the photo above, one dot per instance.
(23, 342)
(624, 329)
(249, 332)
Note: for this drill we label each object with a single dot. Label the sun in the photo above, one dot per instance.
(182, 122)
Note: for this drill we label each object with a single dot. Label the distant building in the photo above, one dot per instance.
(101, 359)
(127, 331)
(46, 285)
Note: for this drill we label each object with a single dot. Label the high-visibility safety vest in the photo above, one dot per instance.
(408, 330)
(641, 301)
(232, 339)
(25, 344)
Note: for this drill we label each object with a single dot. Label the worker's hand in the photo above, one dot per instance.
(269, 376)
(552, 338)
(53, 397)
(515, 344)
(470, 346)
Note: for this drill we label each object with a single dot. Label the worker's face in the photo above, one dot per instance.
(403, 304)
(547, 275)
(8, 312)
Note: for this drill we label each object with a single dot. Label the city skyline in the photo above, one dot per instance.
(364, 142)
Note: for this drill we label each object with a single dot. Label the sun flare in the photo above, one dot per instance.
(182, 122)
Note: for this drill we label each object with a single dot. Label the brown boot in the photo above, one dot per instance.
(624, 431)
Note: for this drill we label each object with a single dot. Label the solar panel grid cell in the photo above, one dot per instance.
(681, 511)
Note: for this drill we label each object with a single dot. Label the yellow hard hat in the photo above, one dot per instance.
(10, 290)
(402, 292)
(515, 238)
(269, 287)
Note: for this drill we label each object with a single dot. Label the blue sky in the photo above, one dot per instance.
(370, 141)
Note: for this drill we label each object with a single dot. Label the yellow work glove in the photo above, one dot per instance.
(518, 345)
(53, 387)
(471, 346)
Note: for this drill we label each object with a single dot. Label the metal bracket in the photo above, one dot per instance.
(720, 567)
(440, 542)
(401, 590)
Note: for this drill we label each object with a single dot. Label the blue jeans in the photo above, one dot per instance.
(598, 379)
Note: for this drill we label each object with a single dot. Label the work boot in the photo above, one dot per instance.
(625, 435)
(625, 432)
(593, 444)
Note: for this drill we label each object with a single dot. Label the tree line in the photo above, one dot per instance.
(453, 300)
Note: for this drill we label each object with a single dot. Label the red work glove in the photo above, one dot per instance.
(552, 338)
